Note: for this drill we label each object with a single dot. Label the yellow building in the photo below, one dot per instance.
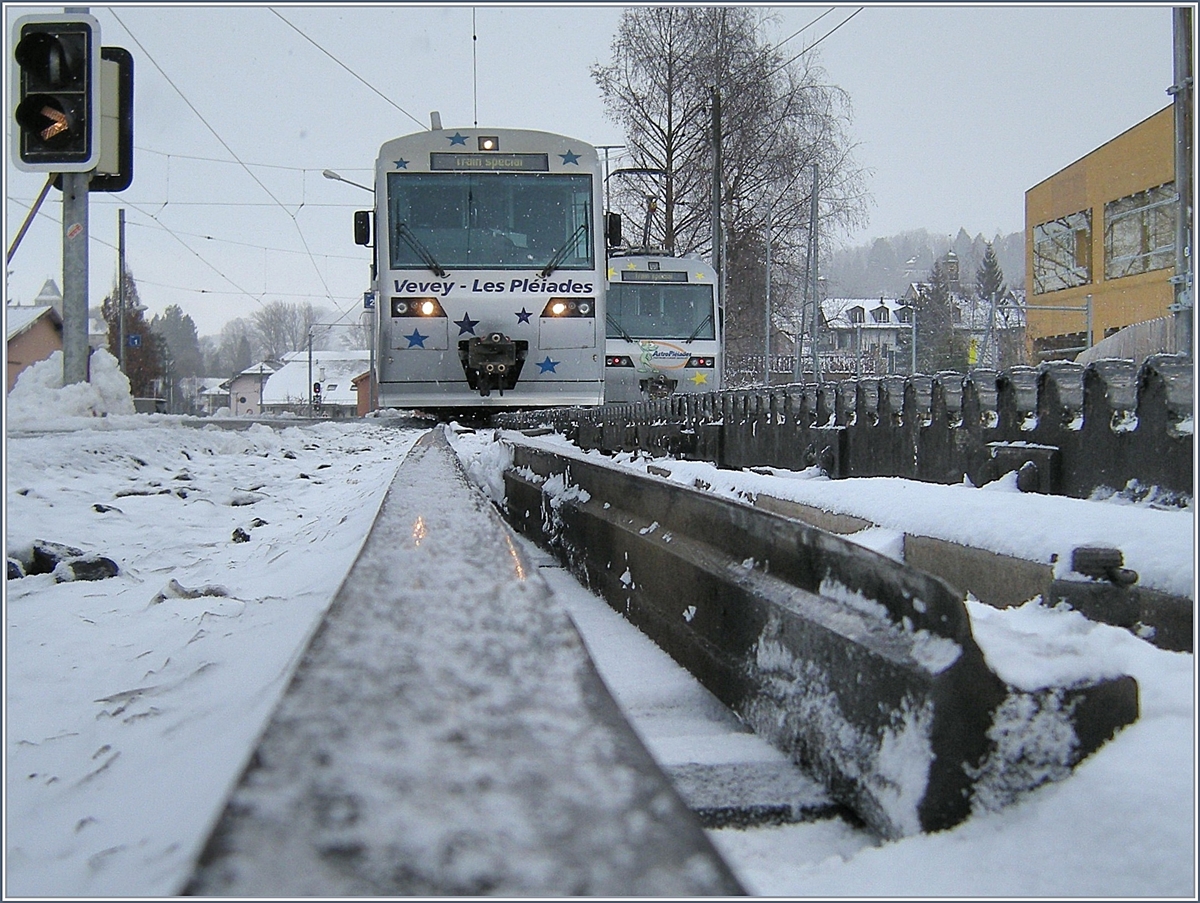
(1102, 229)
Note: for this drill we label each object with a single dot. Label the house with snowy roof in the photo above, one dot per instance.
(205, 394)
(324, 378)
(865, 336)
(33, 331)
(246, 388)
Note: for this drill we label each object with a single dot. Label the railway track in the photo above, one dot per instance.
(428, 694)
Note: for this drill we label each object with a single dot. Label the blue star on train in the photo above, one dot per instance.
(401, 163)
(547, 366)
(416, 340)
(457, 138)
(570, 157)
(523, 315)
(466, 325)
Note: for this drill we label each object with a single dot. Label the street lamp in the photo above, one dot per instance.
(336, 177)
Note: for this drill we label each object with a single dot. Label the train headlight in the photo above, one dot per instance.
(489, 143)
(416, 307)
(701, 363)
(558, 308)
(618, 360)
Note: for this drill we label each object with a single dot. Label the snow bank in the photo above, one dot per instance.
(39, 399)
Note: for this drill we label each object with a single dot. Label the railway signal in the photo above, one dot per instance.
(56, 65)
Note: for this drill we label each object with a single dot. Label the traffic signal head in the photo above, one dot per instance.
(56, 60)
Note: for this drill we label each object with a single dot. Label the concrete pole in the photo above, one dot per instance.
(767, 309)
(75, 268)
(1182, 92)
(913, 370)
(717, 262)
(121, 287)
(75, 276)
(813, 253)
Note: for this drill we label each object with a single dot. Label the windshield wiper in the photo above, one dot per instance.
(561, 254)
(421, 251)
(696, 331)
(621, 330)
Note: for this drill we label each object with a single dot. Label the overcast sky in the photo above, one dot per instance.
(957, 112)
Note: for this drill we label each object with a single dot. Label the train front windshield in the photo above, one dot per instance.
(499, 220)
(660, 311)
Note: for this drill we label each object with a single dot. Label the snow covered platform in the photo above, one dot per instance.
(446, 733)
(740, 794)
(863, 670)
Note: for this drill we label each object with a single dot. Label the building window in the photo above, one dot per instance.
(857, 315)
(880, 315)
(1139, 232)
(1062, 253)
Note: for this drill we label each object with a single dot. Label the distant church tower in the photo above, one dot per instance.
(951, 268)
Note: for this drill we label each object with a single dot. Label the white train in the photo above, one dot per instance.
(664, 322)
(489, 272)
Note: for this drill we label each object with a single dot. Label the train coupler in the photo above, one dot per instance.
(492, 361)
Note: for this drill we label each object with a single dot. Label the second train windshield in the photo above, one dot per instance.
(490, 220)
(660, 311)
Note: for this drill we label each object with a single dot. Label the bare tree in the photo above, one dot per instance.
(779, 117)
(655, 90)
(237, 349)
(281, 327)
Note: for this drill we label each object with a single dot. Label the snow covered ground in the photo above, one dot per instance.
(132, 703)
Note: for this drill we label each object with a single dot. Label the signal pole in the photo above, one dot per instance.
(57, 109)
(75, 267)
(75, 277)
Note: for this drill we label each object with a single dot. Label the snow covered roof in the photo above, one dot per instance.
(334, 370)
(261, 368)
(19, 319)
(212, 385)
(837, 311)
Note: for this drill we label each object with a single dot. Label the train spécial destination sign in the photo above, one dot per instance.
(654, 276)
(475, 162)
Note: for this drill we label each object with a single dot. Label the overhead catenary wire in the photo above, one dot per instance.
(214, 291)
(301, 169)
(93, 238)
(237, 290)
(195, 253)
(809, 48)
(230, 150)
(348, 69)
(801, 30)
